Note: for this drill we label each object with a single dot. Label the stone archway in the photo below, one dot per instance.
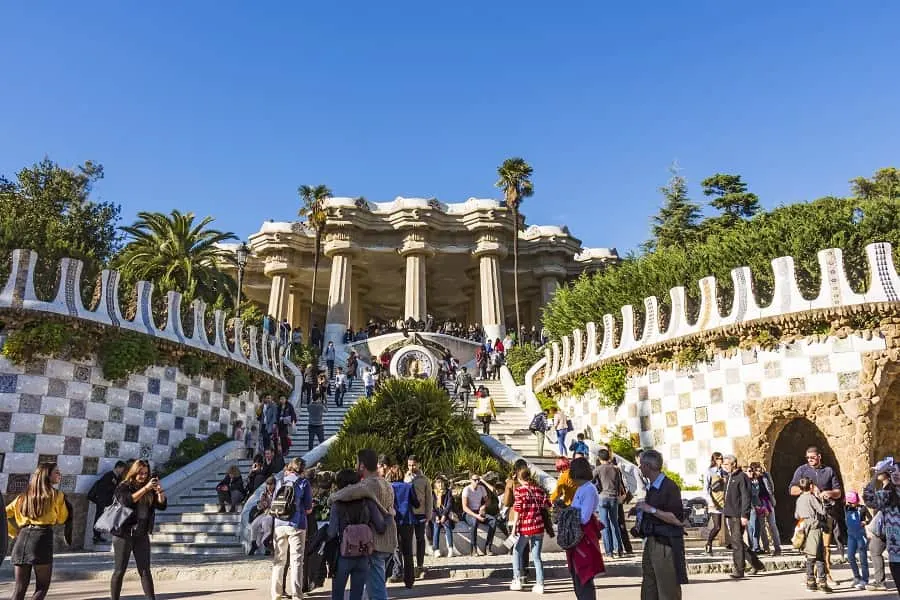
(886, 414)
(788, 452)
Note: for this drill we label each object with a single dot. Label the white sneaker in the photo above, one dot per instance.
(538, 588)
(452, 552)
(516, 585)
(436, 553)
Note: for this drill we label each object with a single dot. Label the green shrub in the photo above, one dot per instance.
(520, 358)
(45, 338)
(675, 477)
(191, 364)
(302, 355)
(125, 352)
(622, 446)
(546, 401)
(237, 380)
(214, 440)
(406, 417)
(610, 382)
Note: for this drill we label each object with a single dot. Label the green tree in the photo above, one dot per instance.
(516, 184)
(676, 223)
(47, 208)
(885, 184)
(176, 253)
(730, 196)
(313, 210)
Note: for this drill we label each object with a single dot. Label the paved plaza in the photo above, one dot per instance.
(774, 586)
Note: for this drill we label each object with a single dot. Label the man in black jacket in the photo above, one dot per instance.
(737, 514)
(101, 493)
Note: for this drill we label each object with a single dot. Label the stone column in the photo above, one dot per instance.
(278, 296)
(549, 285)
(415, 287)
(298, 312)
(415, 250)
(339, 248)
(489, 251)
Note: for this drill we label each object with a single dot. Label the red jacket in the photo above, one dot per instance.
(585, 559)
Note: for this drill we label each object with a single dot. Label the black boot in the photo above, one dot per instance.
(253, 549)
(709, 549)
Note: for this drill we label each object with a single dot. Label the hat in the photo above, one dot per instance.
(885, 465)
(852, 498)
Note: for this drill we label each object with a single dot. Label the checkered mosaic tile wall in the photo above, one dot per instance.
(66, 411)
(689, 413)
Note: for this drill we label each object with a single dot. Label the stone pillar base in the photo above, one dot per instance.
(493, 332)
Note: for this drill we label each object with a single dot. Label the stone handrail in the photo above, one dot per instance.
(310, 458)
(510, 456)
(835, 291)
(266, 354)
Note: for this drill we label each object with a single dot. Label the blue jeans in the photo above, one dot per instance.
(536, 542)
(376, 583)
(857, 543)
(490, 523)
(561, 441)
(353, 568)
(609, 516)
(448, 534)
(753, 527)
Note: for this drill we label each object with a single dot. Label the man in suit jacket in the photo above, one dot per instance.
(737, 515)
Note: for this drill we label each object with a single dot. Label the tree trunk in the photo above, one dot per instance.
(312, 292)
(515, 209)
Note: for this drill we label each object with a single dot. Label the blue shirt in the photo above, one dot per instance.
(855, 520)
(302, 500)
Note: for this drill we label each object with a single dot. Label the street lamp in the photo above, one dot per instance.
(241, 255)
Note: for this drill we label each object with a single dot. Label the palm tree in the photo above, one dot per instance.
(313, 210)
(514, 180)
(175, 253)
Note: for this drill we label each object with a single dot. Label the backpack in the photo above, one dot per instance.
(568, 528)
(537, 423)
(283, 504)
(357, 540)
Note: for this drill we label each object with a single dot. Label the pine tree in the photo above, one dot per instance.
(676, 223)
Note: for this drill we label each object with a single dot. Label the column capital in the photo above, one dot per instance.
(277, 264)
(555, 271)
(414, 243)
(489, 244)
(338, 242)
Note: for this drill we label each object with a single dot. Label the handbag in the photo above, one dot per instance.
(114, 517)
(799, 538)
(548, 523)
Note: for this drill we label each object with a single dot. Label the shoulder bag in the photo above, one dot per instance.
(114, 517)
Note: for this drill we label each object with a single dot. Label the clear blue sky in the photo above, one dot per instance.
(224, 108)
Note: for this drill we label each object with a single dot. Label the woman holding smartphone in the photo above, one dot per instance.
(144, 495)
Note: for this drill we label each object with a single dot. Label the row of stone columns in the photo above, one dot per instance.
(344, 305)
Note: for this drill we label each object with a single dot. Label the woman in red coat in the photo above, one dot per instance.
(585, 560)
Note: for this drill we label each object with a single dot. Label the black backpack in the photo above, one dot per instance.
(284, 505)
(537, 423)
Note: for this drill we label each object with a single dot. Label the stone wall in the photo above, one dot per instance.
(740, 403)
(67, 412)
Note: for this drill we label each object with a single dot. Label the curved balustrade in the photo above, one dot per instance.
(265, 355)
(835, 291)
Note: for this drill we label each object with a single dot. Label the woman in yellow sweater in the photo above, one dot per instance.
(565, 485)
(34, 514)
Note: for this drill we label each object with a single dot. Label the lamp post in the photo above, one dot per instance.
(241, 255)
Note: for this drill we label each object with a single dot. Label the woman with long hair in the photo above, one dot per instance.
(507, 500)
(35, 513)
(528, 512)
(142, 493)
(443, 506)
(884, 496)
(715, 488)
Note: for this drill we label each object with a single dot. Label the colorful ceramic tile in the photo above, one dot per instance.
(179, 422)
(719, 429)
(687, 433)
(116, 414)
(72, 445)
(94, 430)
(56, 388)
(5, 420)
(715, 396)
(170, 373)
(131, 433)
(30, 403)
(17, 483)
(111, 450)
(748, 357)
(150, 418)
(52, 425)
(24, 442)
(98, 394)
(684, 400)
(166, 405)
(36, 367)
(89, 465)
(654, 376)
(848, 381)
(701, 415)
(671, 419)
(690, 466)
(8, 383)
(819, 364)
(214, 413)
(645, 423)
(674, 450)
(797, 385)
(67, 484)
(162, 437)
(204, 427)
(204, 397)
(754, 391)
(698, 381)
(732, 375)
(655, 406)
(643, 393)
(192, 409)
(181, 392)
(135, 399)
(152, 385)
(77, 409)
(81, 373)
(772, 369)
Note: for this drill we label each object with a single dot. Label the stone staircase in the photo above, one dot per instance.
(192, 524)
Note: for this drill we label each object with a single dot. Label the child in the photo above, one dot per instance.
(238, 434)
(811, 510)
(857, 518)
(250, 439)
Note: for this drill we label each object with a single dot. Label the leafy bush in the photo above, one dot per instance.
(304, 354)
(608, 380)
(520, 358)
(45, 338)
(676, 477)
(191, 364)
(125, 352)
(214, 440)
(410, 417)
(546, 401)
(237, 380)
(621, 445)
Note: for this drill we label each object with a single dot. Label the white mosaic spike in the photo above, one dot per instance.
(835, 290)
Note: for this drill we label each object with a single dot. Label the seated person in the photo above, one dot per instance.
(258, 474)
(231, 489)
(260, 521)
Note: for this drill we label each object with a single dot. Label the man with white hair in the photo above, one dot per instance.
(736, 510)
